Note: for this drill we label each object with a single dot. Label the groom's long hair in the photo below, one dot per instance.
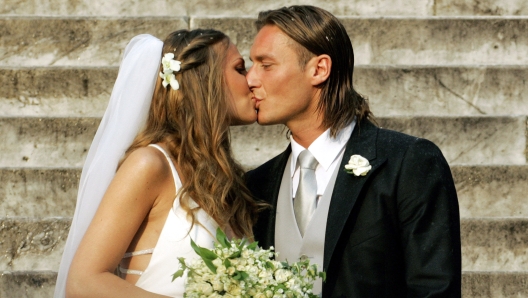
(315, 31)
(194, 122)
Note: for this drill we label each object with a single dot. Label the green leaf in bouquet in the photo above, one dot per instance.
(222, 238)
(269, 265)
(235, 255)
(203, 252)
(240, 275)
(253, 245)
(227, 263)
(210, 265)
(206, 255)
(179, 273)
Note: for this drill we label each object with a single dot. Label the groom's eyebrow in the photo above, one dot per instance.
(262, 57)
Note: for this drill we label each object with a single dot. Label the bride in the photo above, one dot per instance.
(166, 130)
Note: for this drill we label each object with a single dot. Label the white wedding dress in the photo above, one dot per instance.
(175, 242)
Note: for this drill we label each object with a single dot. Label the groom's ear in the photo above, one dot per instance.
(319, 68)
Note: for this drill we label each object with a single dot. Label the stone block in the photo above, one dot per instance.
(469, 140)
(206, 7)
(491, 191)
(413, 41)
(64, 142)
(444, 91)
(483, 191)
(494, 244)
(55, 91)
(40, 284)
(251, 8)
(377, 41)
(44, 192)
(32, 41)
(487, 244)
(486, 284)
(32, 243)
(46, 142)
(27, 284)
(439, 41)
(481, 7)
(392, 91)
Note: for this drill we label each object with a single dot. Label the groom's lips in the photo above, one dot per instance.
(257, 102)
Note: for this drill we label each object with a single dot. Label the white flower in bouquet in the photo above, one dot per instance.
(238, 269)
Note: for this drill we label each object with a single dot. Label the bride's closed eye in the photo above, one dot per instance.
(241, 69)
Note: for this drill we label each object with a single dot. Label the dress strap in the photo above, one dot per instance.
(177, 181)
(130, 271)
(138, 253)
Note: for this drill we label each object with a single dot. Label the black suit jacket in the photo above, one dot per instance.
(392, 233)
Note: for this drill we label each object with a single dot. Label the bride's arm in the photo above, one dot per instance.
(128, 200)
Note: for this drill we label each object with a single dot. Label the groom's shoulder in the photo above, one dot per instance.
(396, 143)
(272, 167)
(265, 168)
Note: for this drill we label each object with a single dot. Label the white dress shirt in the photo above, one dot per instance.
(327, 150)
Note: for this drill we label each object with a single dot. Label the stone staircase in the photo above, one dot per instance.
(453, 71)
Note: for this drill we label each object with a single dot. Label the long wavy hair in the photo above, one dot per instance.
(194, 122)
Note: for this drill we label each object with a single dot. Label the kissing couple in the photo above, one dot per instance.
(375, 209)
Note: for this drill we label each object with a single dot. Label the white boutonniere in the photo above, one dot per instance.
(358, 165)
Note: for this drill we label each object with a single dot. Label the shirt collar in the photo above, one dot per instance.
(325, 148)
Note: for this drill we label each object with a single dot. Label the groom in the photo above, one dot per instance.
(391, 227)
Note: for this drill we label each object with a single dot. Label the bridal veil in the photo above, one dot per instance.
(124, 117)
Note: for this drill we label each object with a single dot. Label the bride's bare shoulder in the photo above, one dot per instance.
(148, 161)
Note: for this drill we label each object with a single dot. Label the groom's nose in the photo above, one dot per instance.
(251, 78)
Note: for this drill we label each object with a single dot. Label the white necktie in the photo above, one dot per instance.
(305, 198)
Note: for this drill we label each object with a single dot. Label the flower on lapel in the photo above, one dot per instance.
(358, 165)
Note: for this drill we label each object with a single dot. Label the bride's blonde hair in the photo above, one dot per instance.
(194, 122)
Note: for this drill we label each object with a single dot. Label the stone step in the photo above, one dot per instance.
(46, 142)
(97, 41)
(43, 192)
(491, 191)
(64, 142)
(37, 41)
(32, 243)
(494, 244)
(475, 284)
(414, 41)
(487, 284)
(487, 244)
(392, 91)
(56, 91)
(469, 140)
(27, 284)
(251, 8)
(483, 191)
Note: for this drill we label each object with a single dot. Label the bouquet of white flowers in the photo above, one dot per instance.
(235, 268)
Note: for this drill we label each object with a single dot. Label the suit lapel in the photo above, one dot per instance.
(347, 186)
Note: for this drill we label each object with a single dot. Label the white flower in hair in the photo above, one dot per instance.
(169, 67)
(169, 64)
(169, 79)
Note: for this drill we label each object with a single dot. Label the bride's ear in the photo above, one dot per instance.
(319, 68)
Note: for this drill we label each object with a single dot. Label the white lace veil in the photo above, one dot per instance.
(124, 117)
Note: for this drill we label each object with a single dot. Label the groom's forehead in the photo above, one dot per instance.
(270, 42)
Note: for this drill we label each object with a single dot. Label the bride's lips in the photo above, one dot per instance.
(257, 102)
